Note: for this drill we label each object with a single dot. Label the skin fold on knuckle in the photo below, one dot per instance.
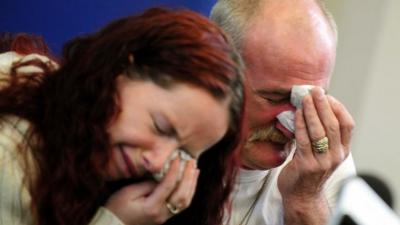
(302, 144)
(317, 135)
(338, 156)
(332, 127)
(315, 169)
(319, 101)
(334, 103)
(328, 166)
(348, 126)
(336, 106)
(300, 127)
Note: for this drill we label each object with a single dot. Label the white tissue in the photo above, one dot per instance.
(184, 157)
(286, 118)
(298, 93)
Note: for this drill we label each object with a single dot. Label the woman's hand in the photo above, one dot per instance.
(146, 203)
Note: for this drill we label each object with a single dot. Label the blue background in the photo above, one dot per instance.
(60, 20)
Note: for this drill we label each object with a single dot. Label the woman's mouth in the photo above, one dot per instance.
(128, 162)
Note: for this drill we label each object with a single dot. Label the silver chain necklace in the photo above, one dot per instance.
(246, 217)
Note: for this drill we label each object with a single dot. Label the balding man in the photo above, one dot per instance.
(286, 179)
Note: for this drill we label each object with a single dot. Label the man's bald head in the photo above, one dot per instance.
(280, 32)
(237, 16)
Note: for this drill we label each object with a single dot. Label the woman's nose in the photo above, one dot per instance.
(156, 158)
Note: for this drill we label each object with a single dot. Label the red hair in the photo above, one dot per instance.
(71, 109)
(23, 43)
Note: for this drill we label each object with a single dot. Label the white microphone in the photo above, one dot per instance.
(359, 204)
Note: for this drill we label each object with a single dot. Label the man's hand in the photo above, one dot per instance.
(301, 181)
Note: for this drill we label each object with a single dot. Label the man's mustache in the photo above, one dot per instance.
(269, 133)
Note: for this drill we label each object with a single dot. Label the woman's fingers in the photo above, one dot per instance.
(182, 196)
(167, 184)
(126, 203)
(138, 190)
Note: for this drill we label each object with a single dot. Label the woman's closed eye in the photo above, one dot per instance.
(162, 125)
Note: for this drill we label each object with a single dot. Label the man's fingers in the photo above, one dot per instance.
(302, 139)
(315, 129)
(328, 119)
(346, 121)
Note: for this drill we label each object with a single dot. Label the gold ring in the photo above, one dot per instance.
(172, 208)
(321, 146)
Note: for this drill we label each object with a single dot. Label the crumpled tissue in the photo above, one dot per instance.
(286, 118)
(184, 157)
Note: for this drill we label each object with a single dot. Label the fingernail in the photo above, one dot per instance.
(320, 93)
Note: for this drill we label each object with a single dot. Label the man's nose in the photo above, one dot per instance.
(284, 107)
(289, 107)
(156, 158)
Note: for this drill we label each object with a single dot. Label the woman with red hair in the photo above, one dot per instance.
(119, 133)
